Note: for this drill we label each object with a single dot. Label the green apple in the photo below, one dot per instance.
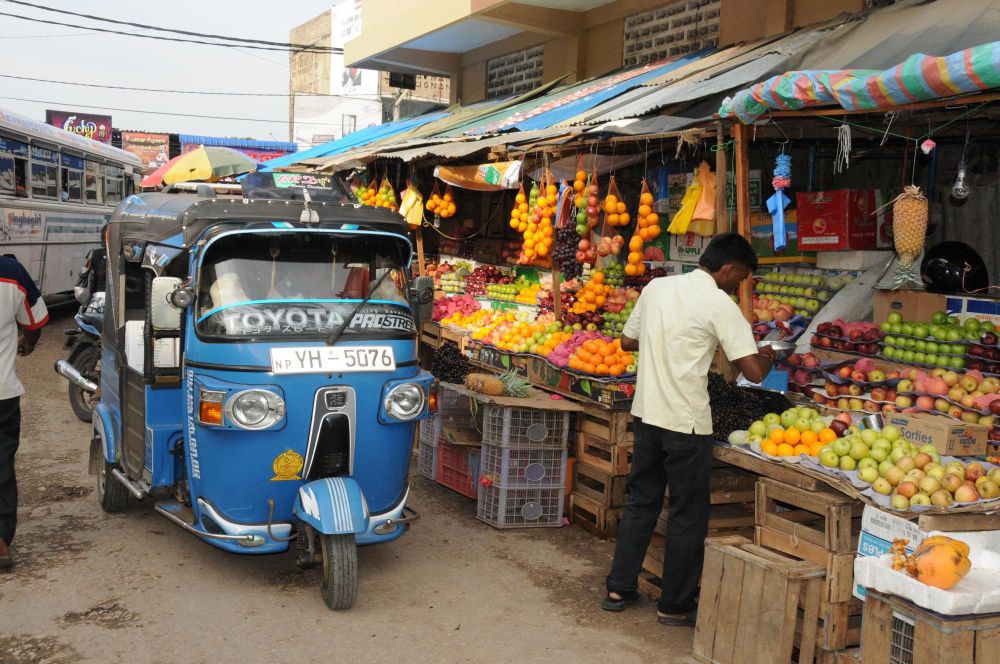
(881, 485)
(898, 453)
(829, 459)
(858, 451)
(802, 424)
(891, 433)
(869, 475)
(878, 454)
(869, 436)
(885, 466)
(868, 462)
(848, 463)
(817, 425)
(841, 447)
(757, 428)
(788, 417)
(920, 499)
(772, 418)
(899, 502)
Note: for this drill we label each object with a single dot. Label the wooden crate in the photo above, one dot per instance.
(822, 518)
(602, 454)
(598, 485)
(839, 566)
(430, 334)
(897, 631)
(591, 515)
(612, 426)
(748, 609)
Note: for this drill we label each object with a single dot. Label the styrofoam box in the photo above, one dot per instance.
(850, 260)
(978, 592)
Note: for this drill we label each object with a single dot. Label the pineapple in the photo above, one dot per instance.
(506, 384)
(909, 228)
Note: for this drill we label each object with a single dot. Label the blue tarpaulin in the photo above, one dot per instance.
(244, 143)
(351, 141)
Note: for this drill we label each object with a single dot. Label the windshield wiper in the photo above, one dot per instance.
(332, 339)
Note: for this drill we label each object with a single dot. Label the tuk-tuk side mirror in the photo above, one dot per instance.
(164, 311)
(422, 299)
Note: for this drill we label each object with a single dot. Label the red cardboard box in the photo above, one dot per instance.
(836, 220)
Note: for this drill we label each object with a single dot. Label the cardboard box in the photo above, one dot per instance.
(687, 248)
(836, 220)
(948, 436)
(762, 240)
(965, 306)
(878, 529)
(911, 304)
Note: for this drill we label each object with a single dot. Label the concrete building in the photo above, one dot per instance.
(330, 100)
(490, 48)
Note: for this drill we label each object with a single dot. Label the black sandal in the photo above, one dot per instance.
(673, 621)
(627, 597)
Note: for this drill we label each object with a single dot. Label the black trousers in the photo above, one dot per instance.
(10, 431)
(684, 461)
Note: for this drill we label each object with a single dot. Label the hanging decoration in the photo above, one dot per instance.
(927, 146)
(777, 203)
(703, 217)
(843, 159)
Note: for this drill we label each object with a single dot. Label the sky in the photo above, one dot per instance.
(40, 50)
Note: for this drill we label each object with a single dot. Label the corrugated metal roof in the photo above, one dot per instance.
(247, 143)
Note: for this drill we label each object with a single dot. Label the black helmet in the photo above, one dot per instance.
(953, 267)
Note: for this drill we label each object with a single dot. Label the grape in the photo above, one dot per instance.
(564, 252)
(450, 365)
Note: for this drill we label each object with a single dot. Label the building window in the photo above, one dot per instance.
(675, 30)
(514, 73)
(348, 124)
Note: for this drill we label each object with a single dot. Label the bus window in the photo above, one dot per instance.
(13, 167)
(72, 179)
(93, 183)
(44, 172)
(115, 185)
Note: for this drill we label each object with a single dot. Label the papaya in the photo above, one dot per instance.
(940, 562)
(935, 540)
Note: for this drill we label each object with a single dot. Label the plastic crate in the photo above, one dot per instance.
(458, 468)
(430, 430)
(504, 466)
(525, 427)
(506, 507)
(427, 457)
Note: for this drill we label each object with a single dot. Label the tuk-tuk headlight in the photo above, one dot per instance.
(255, 409)
(405, 402)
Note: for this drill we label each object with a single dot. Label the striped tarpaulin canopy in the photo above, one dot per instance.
(918, 78)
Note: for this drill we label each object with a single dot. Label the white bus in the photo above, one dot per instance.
(57, 189)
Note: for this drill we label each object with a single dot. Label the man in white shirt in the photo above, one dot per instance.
(21, 306)
(676, 325)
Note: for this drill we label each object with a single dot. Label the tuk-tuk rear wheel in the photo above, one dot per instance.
(340, 571)
(112, 495)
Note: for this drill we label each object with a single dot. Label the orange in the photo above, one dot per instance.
(785, 449)
(801, 449)
(809, 438)
(827, 436)
(815, 448)
(792, 436)
(778, 435)
(646, 198)
(769, 448)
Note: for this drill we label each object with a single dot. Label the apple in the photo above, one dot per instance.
(920, 499)
(942, 405)
(829, 459)
(969, 417)
(974, 470)
(878, 454)
(966, 494)
(881, 485)
(898, 502)
(981, 479)
(891, 433)
(905, 462)
(895, 475)
(841, 447)
(885, 466)
(941, 498)
(844, 372)
(922, 460)
(916, 475)
(903, 401)
(907, 489)
(994, 475)
(856, 404)
(870, 475)
(929, 485)
(956, 394)
(989, 490)
(935, 470)
(848, 463)
(858, 451)
(869, 462)
(905, 385)
(876, 376)
(758, 428)
(879, 394)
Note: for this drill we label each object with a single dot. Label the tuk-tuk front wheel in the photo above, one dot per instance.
(111, 493)
(340, 570)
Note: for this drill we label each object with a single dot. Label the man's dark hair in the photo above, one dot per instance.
(728, 248)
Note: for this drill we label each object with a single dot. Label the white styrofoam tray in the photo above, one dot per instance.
(978, 592)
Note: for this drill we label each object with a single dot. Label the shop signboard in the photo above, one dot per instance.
(88, 125)
(152, 149)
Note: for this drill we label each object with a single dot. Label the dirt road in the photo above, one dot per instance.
(92, 587)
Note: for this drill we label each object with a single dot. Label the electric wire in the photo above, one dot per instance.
(307, 49)
(135, 110)
(180, 32)
(184, 92)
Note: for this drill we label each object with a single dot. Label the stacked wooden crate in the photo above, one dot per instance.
(822, 527)
(732, 514)
(604, 442)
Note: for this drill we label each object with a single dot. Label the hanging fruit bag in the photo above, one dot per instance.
(615, 212)
(434, 201)
(520, 213)
(386, 195)
(448, 208)
(412, 206)
(703, 217)
(681, 222)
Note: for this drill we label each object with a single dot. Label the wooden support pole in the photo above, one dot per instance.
(722, 222)
(742, 182)
(421, 268)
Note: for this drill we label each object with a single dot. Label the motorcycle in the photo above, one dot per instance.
(84, 341)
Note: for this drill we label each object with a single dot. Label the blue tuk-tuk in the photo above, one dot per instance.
(259, 373)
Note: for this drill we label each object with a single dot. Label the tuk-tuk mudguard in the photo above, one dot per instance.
(106, 429)
(333, 506)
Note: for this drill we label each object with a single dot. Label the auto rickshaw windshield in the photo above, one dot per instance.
(304, 284)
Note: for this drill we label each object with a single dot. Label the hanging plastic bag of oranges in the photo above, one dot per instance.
(646, 229)
(519, 214)
(369, 195)
(386, 196)
(540, 231)
(443, 206)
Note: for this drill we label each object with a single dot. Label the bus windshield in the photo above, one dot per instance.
(304, 284)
